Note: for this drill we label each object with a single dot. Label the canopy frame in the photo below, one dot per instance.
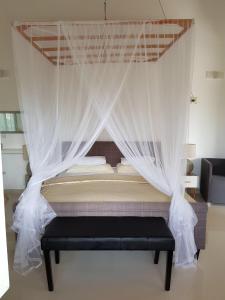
(152, 51)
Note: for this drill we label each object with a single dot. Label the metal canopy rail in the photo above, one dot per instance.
(158, 37)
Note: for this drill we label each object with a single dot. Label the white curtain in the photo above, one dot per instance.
(149, 124)
(142, 104)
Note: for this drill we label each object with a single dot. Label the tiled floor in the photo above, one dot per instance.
(126, 275)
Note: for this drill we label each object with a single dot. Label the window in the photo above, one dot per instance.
(10, 122)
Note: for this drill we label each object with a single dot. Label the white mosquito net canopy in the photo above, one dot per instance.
(76, 78)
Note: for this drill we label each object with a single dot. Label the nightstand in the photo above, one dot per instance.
(191, 185)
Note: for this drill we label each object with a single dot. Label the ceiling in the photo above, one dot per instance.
(54, 10)
(89, 9)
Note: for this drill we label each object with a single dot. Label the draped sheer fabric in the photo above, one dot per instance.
(150, 128)
(142, 103)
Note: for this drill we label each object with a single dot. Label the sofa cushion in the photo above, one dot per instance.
(217, 190)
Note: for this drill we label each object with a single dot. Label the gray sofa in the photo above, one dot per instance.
(212, 184)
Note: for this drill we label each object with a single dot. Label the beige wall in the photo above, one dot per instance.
(207, 117)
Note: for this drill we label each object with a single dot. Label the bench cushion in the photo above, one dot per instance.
(107, 233)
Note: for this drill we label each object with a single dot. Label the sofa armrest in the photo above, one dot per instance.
(218, 165)
(206, 176)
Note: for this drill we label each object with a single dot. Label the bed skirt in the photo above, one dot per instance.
(149, 209)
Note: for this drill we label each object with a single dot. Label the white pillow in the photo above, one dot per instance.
(91, 161)
(91, 169)
(125, 162)
(126, 170)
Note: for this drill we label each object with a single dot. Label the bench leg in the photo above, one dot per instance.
(156, 257)
(57, 257)
(168, 269)
(48, 270)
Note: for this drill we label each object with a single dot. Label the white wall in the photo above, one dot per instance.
(207, 117)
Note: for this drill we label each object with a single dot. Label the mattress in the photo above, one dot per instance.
(102, 188)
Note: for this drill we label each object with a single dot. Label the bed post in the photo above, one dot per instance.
(197, 254)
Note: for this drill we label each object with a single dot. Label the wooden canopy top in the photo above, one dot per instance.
(156, 40)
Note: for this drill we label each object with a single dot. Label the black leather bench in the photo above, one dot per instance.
(107, 233)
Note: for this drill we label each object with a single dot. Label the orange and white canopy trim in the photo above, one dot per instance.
(157, 38)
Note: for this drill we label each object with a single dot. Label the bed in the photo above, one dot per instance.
(114, 194)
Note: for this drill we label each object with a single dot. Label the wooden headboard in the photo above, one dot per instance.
(102, 148)
(107, 149)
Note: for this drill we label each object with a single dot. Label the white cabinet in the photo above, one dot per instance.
(14, 169)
